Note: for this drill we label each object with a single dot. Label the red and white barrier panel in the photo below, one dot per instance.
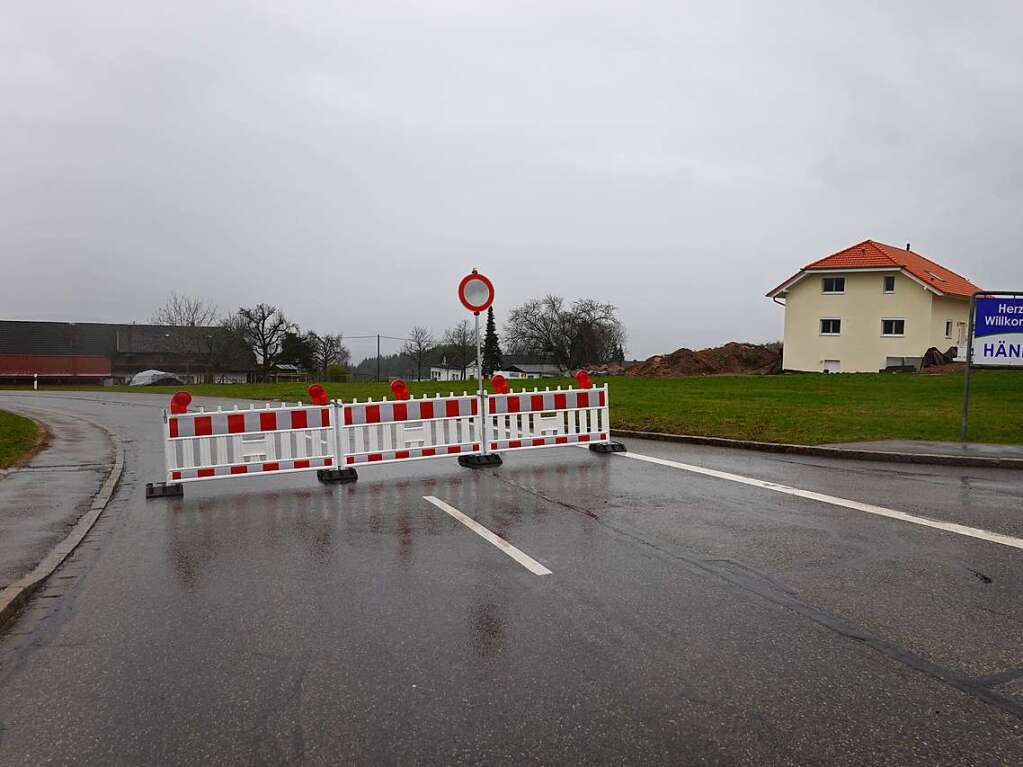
(408, 429)
(255, 441)
(547, 418)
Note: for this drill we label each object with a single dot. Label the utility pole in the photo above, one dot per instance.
(378, 357)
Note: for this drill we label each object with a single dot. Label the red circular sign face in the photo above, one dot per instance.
(476, 292)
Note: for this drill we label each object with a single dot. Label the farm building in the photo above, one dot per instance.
(107, 353)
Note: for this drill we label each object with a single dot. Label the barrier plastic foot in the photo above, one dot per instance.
(480, 461)
(337, 475)
(164, 490)
(607, 447)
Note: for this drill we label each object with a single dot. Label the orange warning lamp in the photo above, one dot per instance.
(399, 389)
(180, 402)
(317, 395)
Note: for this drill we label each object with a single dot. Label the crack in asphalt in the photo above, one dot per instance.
(999, 678)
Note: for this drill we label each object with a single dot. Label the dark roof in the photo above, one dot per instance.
(536, 367)
(525, 359)
(104, 339)
(56, 338)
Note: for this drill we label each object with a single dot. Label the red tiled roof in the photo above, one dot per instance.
(872, 254)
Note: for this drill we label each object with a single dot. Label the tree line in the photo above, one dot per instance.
(196, 330)
(571, 335)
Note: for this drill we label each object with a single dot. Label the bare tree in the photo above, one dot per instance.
(461, 340)
(188, 322)
(587, 332)
(417, 348)
(598, 336)
(540, 326)
(263, 327)
(228, 348)
(329, 350)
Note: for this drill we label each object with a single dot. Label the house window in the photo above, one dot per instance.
(831, 327)
(948, 328)
(889, 283)
(893, 327)
(834, 284)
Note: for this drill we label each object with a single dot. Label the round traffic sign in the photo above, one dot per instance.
(476, 292)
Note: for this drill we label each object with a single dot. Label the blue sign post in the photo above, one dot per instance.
(995, 337)
(998, 331)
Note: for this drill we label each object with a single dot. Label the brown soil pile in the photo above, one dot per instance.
(952, 367)
(730, 358)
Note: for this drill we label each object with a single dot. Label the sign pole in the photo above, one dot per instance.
(479, 388)
(969, 361)
(476, 293)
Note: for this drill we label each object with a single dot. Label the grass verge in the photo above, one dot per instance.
(20, 437)
(803, 408)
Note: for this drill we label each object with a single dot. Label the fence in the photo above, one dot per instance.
(333, 438)
(522, 421)
(413, 429)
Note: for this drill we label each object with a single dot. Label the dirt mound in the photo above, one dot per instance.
(730, 358)
(952, 367)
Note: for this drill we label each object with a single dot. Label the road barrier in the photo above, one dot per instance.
(408, 430)
(522, 421)
(333, 437)
(249, 442)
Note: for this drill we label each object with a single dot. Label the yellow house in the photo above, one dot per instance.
(869, 307)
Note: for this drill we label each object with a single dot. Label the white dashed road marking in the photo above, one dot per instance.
(523, 559)
(881, 511)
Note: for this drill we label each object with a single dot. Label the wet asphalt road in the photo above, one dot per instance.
(40, 502)
(687, 619)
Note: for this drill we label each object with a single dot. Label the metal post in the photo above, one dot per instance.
(969, 362)
(337, 415)
(378, 357)
(479, 390)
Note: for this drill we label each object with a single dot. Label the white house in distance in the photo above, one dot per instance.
(869, 307)
(515, 367)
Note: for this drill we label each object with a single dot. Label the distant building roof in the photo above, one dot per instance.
(19, 337)
(870, 254)
(540, 368)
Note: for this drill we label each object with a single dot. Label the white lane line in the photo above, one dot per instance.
(523, 559)
(881, 511)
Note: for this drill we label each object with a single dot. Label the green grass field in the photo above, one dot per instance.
(18, 438)
(801, 408)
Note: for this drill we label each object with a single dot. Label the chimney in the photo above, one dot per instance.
(907, 246)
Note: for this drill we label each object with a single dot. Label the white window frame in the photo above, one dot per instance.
(948, 329)
(893, 335)
(820, 326)
(884, 284)
(833, 292)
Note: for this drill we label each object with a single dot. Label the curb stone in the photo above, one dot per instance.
(937, 459)
(14, 596)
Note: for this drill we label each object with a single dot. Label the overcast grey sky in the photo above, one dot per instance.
(350, 161)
